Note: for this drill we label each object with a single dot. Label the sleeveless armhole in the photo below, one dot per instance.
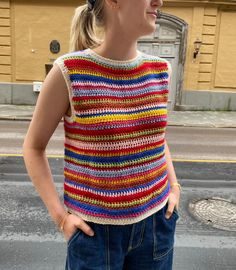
(169, 73)
(60, 63)
(169, 85)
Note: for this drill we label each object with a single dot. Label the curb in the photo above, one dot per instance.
(202, 125)
(15, 118)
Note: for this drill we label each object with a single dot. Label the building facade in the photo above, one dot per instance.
(197, 37)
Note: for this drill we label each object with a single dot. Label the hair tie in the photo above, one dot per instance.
(91, 4)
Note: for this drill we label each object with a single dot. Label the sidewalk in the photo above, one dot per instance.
(175, 118)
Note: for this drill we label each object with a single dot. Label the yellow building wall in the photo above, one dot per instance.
(28, 27)
(186, 13)
(225, 74)
(35, 25)
(5, 42)
(212, 23)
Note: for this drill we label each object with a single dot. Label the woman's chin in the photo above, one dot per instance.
(150, 31)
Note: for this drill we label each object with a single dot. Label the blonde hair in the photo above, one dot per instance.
(86, 27)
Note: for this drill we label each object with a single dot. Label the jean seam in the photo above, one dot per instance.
(142, 233)
(107, 249)
(73, 237)
(154, 237)
(131, 238)
(130, 247)
(163, 254)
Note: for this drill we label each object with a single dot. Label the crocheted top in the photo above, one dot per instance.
(115, 168)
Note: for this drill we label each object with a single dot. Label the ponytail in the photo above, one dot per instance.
(83, 29)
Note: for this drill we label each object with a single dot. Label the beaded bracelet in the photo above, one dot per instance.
(176, 184)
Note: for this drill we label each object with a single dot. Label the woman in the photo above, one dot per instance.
(121, 194)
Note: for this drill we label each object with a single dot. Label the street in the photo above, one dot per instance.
(29, 240)
(184, 142)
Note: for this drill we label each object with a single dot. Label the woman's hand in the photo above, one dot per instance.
(173, 201)
(72, 223)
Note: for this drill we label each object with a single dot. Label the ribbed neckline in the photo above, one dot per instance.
(115, 62)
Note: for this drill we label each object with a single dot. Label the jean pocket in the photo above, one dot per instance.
(163, 233)
(176, 212)
(74, 236)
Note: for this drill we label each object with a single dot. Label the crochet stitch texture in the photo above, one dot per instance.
(114, 165)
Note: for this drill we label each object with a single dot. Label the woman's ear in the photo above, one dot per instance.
(113, 4)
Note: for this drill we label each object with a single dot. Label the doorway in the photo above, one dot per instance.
(169, 42)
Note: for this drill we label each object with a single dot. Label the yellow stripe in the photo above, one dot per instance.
(11, 155)
(120, 117)
(204, 160)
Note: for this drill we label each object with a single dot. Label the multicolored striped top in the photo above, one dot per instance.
(115, 167)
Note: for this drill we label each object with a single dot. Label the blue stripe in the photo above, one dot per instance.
(118, 212)
(126, 93)
(91, 78)
(115, 159)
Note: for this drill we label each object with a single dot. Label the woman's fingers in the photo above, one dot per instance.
(173, 202)
(83, 226)
(73, 223)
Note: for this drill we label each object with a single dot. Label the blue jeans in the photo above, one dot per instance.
(146, 245)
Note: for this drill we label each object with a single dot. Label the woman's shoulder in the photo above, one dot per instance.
(155, 58)
(72, 55)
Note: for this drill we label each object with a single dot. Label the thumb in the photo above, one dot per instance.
(169, 211)
(82, 225)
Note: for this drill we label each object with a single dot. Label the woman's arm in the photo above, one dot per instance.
(171, 170)
(52, 105)
(174, 196)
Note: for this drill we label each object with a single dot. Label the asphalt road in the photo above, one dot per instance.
(29, 240)
(184, 142)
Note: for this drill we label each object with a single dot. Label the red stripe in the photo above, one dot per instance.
(88, 65)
